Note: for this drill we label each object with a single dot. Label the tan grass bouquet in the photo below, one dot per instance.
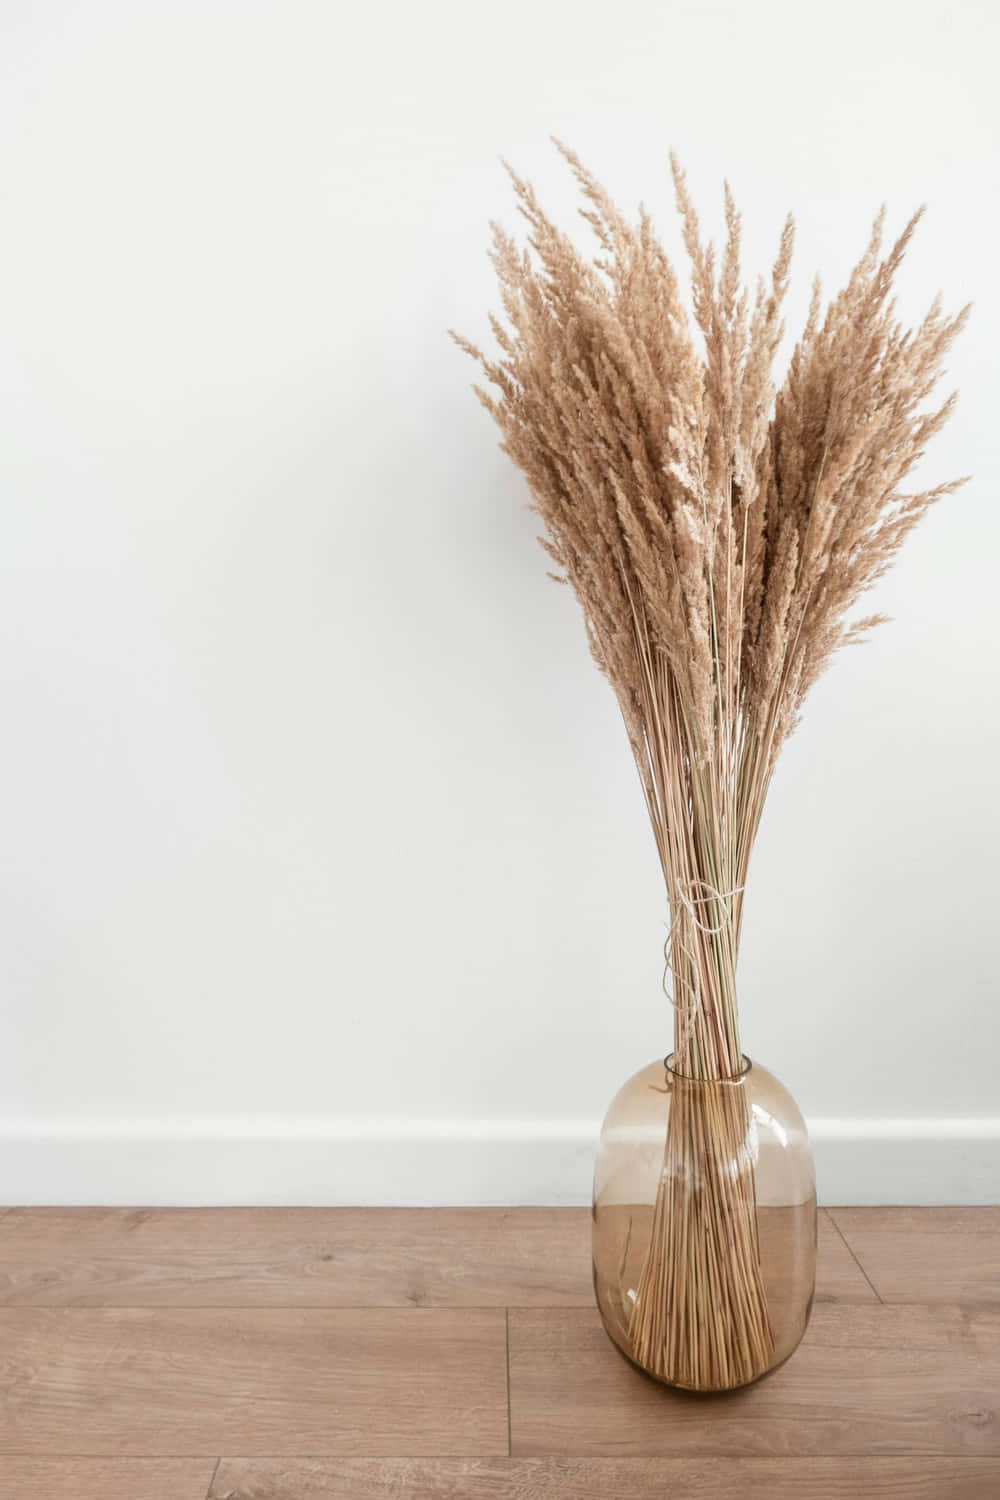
(716, 531)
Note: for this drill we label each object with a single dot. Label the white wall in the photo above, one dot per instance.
(324, 869)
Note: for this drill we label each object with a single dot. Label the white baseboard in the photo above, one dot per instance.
(446, 1162)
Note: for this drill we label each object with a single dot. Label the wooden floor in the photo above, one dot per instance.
(362, 1354)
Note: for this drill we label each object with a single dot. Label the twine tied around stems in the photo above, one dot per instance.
(689, 902)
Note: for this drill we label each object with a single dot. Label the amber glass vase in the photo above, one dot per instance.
(704, 1226)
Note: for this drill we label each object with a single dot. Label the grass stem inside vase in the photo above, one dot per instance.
(700, 1317)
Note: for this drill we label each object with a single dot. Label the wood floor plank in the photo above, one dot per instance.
(105, 1479)
(867, 1380)
(839, 1278)
(607, 1478)
(136, 1382)
(927, 1254)
(339, 1257)
(301, 1257)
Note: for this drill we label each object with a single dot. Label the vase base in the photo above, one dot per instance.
(693, 1390)
(787, 1237)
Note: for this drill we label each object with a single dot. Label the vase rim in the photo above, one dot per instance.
(691, 1078)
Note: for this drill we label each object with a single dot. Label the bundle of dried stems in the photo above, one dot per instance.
(716, 531)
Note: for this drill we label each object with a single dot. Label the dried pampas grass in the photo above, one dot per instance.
(717, 532)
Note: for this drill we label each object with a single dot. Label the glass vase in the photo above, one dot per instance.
(704, 1226)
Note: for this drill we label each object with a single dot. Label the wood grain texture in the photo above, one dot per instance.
(927, 1255)
(128, 1334)
(839, 1278)
(299, 1257)
(866, 1380)
(609, 1479)
(339, 1257)
(194, 1381)
(105, 1479)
